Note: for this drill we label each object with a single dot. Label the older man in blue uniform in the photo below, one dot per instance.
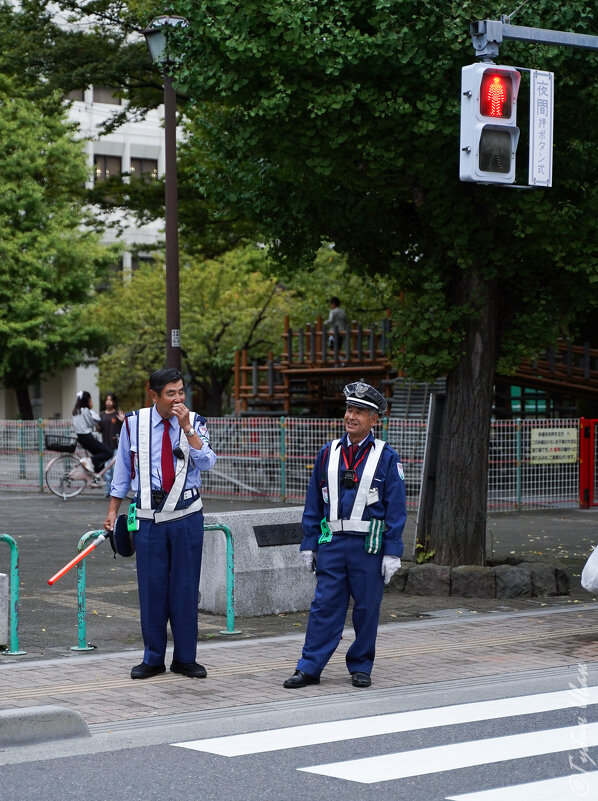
(161, 452)
(353, 521)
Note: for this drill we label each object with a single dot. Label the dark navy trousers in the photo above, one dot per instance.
(168, 569)
(343, 570)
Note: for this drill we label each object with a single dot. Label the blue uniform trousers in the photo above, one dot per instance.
(168, 569)
(344, 569)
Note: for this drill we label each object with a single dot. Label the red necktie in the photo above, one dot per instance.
(167, 461)
(352, 453)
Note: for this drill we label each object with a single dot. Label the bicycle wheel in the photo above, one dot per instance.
(65, 476)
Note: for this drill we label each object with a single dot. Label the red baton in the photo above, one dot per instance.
(77, 559)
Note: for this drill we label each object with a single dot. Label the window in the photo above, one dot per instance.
(76, 94)
(529, 402)
(105, 94)
(144, 168)
(106, 167)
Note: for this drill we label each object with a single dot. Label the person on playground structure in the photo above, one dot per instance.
(354, 515)
(161, 451)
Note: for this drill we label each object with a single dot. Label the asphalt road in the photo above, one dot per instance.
(476, 740)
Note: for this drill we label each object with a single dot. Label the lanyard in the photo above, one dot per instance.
(361, 458)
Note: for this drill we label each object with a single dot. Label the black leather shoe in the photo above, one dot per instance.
(145, 671)
(192, 669)
(300, 679)
(360, 679)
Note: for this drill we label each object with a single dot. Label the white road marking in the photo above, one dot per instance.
(441, 758)
(565, 788)
(337, 731)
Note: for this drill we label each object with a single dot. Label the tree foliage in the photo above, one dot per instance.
(233, 302)
(50, 264)
(340, 119)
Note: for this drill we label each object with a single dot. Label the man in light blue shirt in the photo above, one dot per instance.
(161, 453)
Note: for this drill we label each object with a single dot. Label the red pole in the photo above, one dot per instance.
(584, 463)
(77, 559)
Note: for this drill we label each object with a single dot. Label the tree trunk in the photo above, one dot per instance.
(214, 384)
(24, 402)
(458, 531)
(213, 402)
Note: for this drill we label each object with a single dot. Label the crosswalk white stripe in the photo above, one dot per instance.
(336, 731)
(441, 758)
(564, 788)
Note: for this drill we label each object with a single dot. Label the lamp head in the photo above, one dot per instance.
(157, 36)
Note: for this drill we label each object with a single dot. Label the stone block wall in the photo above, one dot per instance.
(520, 579)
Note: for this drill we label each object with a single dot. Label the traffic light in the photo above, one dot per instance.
(489, 132)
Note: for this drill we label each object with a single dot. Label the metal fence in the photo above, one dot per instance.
(266, 458)
(520, 477)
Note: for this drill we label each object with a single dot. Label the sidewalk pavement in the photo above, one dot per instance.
(422, 640)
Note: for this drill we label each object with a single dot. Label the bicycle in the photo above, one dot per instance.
(67, 475)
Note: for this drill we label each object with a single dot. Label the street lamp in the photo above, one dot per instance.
(157, 38)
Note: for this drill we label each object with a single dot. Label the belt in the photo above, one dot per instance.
(350, 526)
(159, 496)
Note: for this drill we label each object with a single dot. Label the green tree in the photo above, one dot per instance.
(231, 303)
(50, 263)
(339, 119)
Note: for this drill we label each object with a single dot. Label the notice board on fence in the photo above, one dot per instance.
(554, 445)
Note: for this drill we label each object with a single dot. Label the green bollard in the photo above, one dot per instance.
(14, 596)
(81, 605)
(230, 577)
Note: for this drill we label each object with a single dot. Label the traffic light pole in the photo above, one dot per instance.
(487, 36)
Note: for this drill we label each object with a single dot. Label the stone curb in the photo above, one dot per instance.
(31, 725)
(514, 579)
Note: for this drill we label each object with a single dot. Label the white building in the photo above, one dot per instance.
(136, 148)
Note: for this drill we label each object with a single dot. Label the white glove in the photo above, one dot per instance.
(390, 565)
(308, 558)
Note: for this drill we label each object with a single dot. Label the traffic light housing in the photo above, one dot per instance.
(489, 132)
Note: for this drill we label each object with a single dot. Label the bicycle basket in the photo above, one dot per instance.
(61, 442)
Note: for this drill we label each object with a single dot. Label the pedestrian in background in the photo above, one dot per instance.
(86, 423)
(355, 512)
(111, 420)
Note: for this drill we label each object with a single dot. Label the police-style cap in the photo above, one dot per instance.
(360, 394)
(121, 539)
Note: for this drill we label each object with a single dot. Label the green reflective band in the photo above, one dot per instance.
(132, 524)
(373, 539)
(326, 534)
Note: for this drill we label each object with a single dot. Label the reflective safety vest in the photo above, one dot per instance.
(177, 492)
(364, 488)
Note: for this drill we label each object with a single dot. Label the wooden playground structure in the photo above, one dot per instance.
(308, 378)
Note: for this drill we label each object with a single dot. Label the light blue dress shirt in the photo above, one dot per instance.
(199, 460)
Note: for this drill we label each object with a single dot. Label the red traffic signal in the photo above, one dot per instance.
(489, 132)
(496, 95)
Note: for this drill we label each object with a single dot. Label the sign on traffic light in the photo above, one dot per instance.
(489, 132)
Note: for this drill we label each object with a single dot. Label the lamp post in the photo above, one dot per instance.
(157, 38)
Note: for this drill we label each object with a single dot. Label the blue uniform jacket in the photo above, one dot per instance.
(390, 507)
(126, 468)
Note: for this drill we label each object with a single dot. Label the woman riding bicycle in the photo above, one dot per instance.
(85, 422)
